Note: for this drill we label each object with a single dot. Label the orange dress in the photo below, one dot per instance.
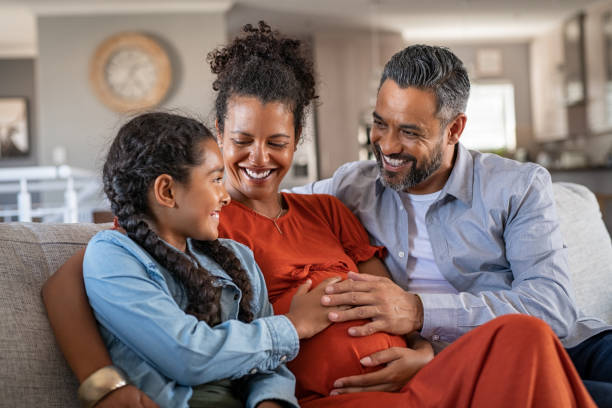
(496, 365)
(320, 239)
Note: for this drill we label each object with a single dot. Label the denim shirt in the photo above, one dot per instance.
(163, 350)
(495, 237)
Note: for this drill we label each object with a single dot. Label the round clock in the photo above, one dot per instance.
(130, 71)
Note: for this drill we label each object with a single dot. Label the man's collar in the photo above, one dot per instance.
(461, 180)
(380, 187)
(459, 183)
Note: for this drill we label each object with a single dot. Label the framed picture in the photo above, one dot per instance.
(489, 62)
(14, 134)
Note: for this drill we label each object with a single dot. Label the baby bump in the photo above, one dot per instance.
(333, 354)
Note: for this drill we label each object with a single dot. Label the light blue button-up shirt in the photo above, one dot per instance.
(165, 351)
(495, 237)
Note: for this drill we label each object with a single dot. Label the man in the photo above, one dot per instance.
(470, 236)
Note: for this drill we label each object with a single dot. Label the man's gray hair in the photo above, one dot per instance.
(434, 69)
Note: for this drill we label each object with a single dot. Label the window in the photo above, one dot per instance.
(491, 123)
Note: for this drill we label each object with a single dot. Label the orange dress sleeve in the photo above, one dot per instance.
(350, 232)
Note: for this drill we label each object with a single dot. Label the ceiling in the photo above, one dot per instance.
(459, 20)
(437, 19)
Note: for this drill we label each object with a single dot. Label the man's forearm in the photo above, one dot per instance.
(448, 316)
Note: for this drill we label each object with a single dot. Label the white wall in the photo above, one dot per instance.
(514, 69)
(548, 98)
(71, 116)
(347, 90)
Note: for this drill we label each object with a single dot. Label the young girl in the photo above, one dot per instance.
(178, 307)
(265, 84)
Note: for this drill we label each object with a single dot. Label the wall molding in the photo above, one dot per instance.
(18, 50)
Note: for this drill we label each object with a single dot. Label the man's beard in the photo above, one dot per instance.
(415, 175)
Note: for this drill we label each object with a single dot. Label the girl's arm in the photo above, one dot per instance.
(69, 313)
(132, 300)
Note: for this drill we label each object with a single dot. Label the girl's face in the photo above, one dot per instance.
(258, 143)
(199, 200)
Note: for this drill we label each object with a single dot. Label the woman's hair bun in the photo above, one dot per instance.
(242, 66)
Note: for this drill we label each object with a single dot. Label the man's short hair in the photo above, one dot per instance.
(434, 69)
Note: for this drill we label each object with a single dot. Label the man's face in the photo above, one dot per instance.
(407, 140)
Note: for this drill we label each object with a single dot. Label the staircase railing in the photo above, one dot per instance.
(78, 186)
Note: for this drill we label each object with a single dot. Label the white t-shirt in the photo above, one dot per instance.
(423, 273)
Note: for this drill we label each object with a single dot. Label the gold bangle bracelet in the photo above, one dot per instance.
(99, 384)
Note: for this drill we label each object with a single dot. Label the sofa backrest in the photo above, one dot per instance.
(589, 250)
(33, 371)
(34, 374)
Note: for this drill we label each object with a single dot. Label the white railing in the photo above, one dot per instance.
(77, 185)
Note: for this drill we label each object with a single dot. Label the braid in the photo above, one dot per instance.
(231, 264)
(202, 293)
(146, 147)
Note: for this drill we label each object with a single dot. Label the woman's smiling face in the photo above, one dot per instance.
(258, 143)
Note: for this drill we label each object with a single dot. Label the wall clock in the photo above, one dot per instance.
(130, 71)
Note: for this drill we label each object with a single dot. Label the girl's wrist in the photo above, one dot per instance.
(101, 383)
(295, 324)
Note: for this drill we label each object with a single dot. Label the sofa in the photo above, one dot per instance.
(33, 372)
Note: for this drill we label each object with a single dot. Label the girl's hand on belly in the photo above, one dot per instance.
(307, 313)
(401, 365)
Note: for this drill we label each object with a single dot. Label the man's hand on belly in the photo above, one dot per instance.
(391, 308)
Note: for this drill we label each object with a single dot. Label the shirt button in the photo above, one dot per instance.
(253, 371)
(435, 337)
(401, 254)
(283, 359)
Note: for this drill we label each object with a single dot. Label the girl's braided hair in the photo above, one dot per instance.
(146, 147)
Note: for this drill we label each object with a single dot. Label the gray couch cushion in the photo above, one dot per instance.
(33, 372)
(589, 248)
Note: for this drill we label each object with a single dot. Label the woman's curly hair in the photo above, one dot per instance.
(265, 65)
(162, 143)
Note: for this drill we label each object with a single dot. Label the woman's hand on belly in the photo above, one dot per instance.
(401, 364)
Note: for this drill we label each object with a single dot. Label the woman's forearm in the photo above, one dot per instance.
(374, 266)
(72, 320)
(418, 343)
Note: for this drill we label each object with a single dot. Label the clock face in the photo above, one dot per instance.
(130, 72)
